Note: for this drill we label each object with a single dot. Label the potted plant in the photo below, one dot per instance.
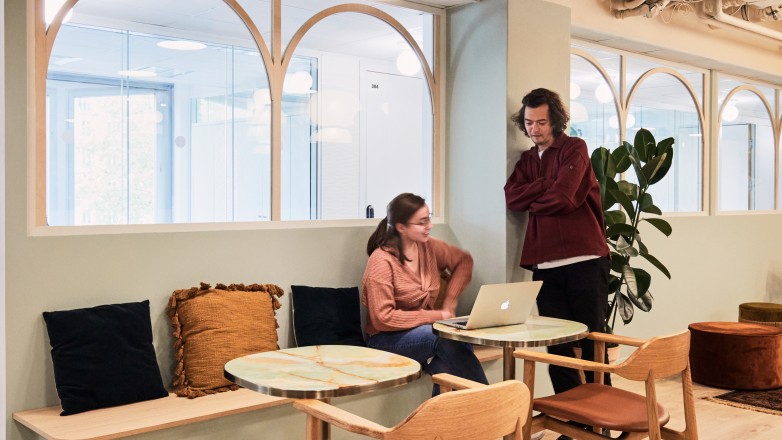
(626, 204)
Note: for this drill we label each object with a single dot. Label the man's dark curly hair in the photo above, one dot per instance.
(557, 114)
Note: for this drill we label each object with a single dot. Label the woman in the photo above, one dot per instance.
(400, 286)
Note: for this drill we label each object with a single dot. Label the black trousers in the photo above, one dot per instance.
(577, 292)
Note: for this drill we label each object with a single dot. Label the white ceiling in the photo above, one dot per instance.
(444, 3)
(212, 21)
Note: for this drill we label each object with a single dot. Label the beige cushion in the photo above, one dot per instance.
(213, 326)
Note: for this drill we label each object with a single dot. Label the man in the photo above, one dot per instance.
(564, 244)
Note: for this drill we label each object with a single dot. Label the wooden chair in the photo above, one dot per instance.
(601, 406)
(474, 412)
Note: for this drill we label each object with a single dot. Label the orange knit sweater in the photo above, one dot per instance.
(397, 299)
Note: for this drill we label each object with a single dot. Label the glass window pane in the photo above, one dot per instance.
(592, 108)
(260, 12)
(663, 105)
(608, 60)
(179, 125)
(360, 130)
(363, 38)
(636, 67)
(746, 155)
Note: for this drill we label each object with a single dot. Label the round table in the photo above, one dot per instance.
(537, 331)
(321, 371)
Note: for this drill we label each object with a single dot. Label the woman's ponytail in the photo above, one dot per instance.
(378, 238)
(400, 210)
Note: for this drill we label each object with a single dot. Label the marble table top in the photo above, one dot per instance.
(537, 331)
(321, 371)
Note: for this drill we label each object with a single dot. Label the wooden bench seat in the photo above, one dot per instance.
(154, 415)
(485, 353)
(141, 417)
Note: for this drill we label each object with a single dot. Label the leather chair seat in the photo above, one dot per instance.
(761, 313)
(605, 406)
(736, 355)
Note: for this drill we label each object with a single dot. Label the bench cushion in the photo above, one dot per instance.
(326, 316)
(103, 356)
(213, 326)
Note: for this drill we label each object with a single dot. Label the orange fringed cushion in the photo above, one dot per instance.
(213, 326)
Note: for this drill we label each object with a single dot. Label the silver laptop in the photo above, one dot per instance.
(499, 304)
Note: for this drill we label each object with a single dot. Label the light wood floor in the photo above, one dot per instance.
(715, 420)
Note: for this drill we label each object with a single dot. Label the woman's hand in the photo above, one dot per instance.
(447, 314)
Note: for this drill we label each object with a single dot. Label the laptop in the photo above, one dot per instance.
(499, 304)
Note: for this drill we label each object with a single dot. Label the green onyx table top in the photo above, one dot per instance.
(322, 371)
(537, 331)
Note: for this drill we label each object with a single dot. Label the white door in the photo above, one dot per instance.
(395, 159)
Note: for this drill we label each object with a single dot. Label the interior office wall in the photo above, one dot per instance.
(716, 262)
(497, 51)
(475, 136)
(538, 56)
(2, 214)
(67, 272)
(679, 37)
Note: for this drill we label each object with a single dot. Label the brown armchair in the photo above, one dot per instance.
(475, 412)
(605, 407)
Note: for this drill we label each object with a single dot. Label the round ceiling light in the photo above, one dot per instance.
(181, 45)
(407, 63)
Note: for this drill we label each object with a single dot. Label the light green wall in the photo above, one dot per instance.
(538, 56)
(56, 273)
(477, 36)
(716, 262)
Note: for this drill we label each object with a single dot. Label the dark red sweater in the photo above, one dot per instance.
(562, 195)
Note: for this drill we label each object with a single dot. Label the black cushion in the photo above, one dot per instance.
(326, 316)
(103, 356)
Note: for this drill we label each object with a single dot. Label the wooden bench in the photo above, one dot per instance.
(142, 417)
(158, 414)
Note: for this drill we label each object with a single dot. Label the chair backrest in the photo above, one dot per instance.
(475, 414)
(657, 358)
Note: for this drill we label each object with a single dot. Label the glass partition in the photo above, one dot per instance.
(663, 105)
(746, 152)
(370, 134)
(150, 125)
(162, 112)
(593, 114)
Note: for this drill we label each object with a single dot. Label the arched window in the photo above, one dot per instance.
(747, 146)
(662, 103)
(613, 94)
(593, 115)
(191, 112)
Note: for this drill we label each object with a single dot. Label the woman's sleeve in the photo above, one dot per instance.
(378, 285)
(459, 263)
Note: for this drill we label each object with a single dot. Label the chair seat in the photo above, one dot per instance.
(600, 405)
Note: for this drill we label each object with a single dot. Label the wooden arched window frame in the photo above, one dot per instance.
(776, 127)
(275, 62)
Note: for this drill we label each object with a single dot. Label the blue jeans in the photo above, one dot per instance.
(421, 344)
